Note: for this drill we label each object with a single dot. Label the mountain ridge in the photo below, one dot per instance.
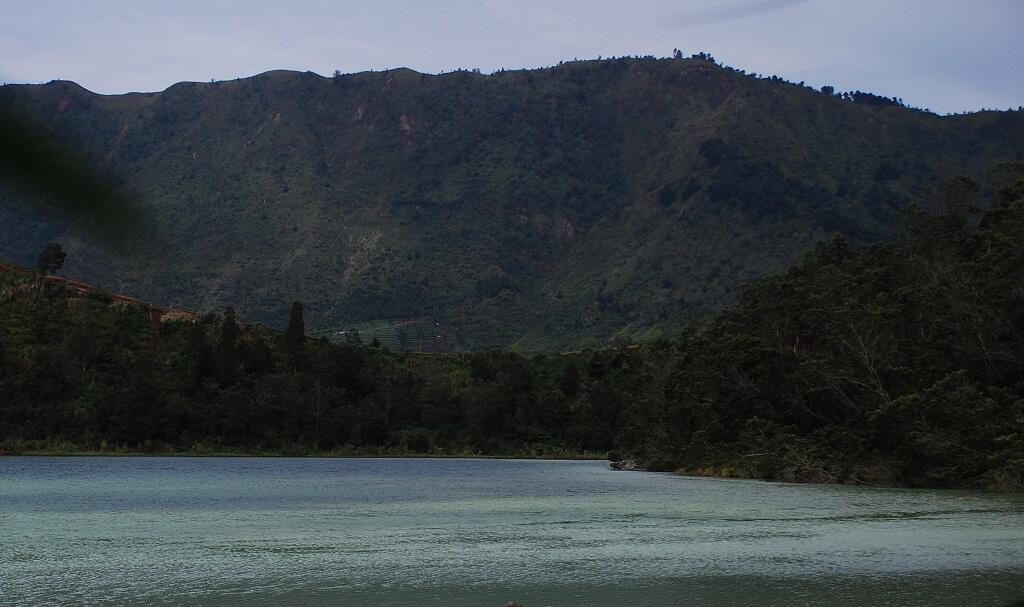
(593, 202)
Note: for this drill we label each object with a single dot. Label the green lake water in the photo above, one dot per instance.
(462, 532)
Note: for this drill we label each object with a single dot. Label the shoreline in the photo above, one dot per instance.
(327, 455)
(679, 472)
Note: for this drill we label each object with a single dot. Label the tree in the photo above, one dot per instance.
(257, 357)
(667, 195)
(955, 201)
(295, 337)
(228, 347)
(51, 259)
(197, 354)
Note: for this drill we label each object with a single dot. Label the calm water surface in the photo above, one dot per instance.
(367, 532)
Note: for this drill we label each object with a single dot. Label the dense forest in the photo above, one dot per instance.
(592, 203)
(898, 363)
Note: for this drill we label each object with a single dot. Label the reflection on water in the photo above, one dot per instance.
(181, 531)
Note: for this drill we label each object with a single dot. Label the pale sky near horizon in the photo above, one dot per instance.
(947, 55)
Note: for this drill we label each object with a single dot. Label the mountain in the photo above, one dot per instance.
(592, 202)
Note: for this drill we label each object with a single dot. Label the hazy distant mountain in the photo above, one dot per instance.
(594, 201)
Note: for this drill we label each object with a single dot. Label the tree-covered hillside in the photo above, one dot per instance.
(590, 203)
(899, 363)
(903, 361)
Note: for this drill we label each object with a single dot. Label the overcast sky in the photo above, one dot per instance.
(947, 55)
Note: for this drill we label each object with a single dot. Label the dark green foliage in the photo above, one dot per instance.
(594, 203)
(79, 369)
(898, 363)
(227, 348)
(492, 285)
(886, 172)
(295, 336)
(51, 259)
(692, 187)
(197, 355)
(667, 195)
(872, 99)
(715, 151)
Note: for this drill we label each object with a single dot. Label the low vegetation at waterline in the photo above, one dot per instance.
(899, 363)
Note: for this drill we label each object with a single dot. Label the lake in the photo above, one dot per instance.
(474, 532)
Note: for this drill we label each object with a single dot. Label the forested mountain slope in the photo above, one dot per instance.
(593, 202)
(898, 363)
